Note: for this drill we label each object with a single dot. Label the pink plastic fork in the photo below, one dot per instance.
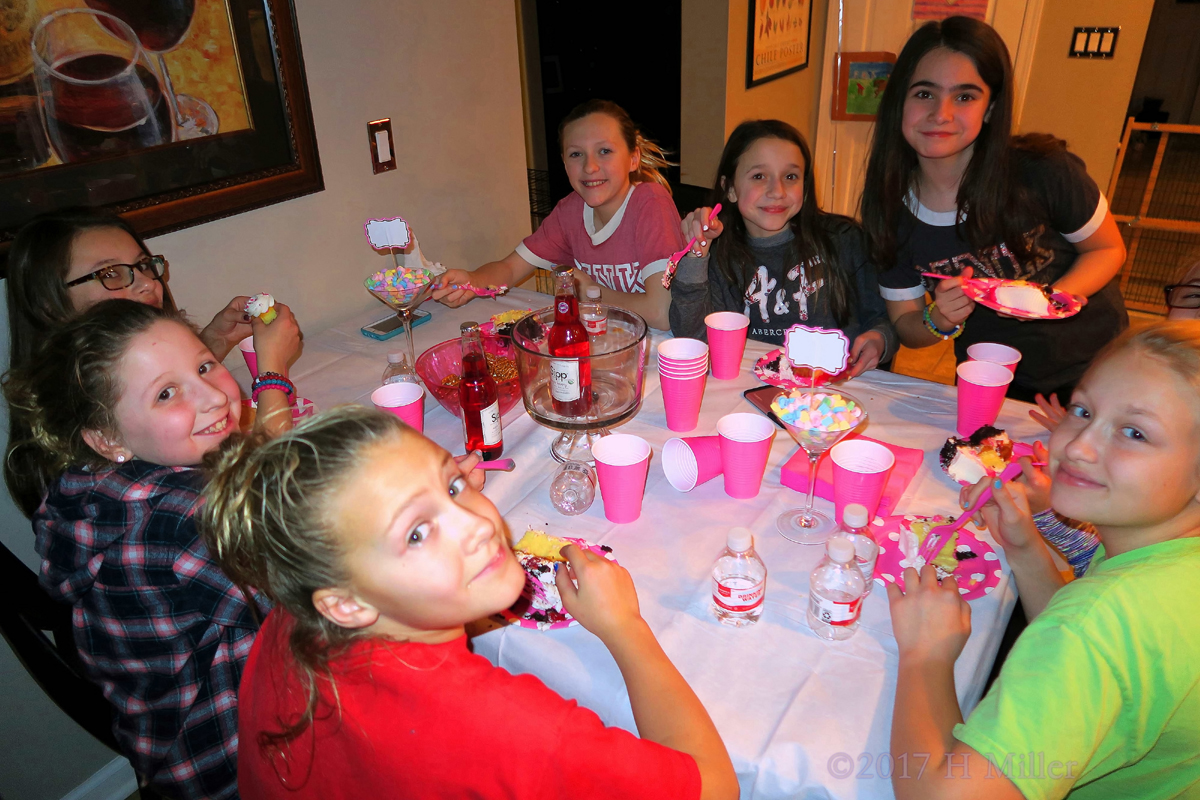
(673, 261)
(933, 540)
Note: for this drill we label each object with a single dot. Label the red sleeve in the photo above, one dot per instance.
(657, 225)
(550, 242)
(588, 760)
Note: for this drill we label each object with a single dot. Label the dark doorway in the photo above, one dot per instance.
(626, 51)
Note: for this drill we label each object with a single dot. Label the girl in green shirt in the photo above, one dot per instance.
(1100, 696)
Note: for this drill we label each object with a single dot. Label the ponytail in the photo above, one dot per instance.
(652, 159)
(267, 516)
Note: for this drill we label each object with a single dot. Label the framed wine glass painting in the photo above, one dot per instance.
(169, 112)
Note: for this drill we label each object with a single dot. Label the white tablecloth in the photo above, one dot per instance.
(801, 717)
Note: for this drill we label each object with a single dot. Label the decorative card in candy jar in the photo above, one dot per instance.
(816, 351)
(388, 234)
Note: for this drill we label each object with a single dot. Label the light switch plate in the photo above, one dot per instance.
(383, 146)
(1091, 42)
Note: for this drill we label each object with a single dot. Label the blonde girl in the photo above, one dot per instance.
(377, 550)
(618, 227)
(1100, 696)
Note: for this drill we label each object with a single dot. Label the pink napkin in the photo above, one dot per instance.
(794, 474)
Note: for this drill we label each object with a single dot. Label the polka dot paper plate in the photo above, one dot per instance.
(525, 616)
(978, 571)
(1002, 295)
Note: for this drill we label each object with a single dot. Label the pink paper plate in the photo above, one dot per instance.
(764, 374)
(521, 613)
(983, 291)
(976, 576)
(794, 474)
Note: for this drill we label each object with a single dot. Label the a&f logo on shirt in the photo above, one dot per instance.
(758, 293)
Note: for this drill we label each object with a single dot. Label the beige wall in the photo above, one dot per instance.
(792, 98)
(714, 96)
(1084, 100)
(702, 90)
(448, 76)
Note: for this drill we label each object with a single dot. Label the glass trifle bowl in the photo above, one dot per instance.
(817, 419)
(617, 369)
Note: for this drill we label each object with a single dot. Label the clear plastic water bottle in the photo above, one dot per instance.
(399, 370)
(739, 581)
(594, 315)
(573, 488)
(835, 592)
(866, 550)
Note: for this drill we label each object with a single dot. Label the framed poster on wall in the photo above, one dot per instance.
(171, 113)
(861, 78)
(778, 37)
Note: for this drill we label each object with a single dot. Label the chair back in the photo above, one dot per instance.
(38, 629)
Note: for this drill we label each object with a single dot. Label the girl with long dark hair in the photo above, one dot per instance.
(950, 191)
(775, 254)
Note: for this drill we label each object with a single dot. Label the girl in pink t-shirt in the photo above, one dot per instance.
(377, 548)
(618, 227)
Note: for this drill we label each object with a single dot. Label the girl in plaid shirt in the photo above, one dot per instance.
(125, 402)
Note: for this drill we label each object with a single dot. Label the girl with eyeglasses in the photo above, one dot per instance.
(1183, 298)
(65, 262)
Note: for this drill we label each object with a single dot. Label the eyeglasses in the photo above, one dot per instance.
(116, 277)
(1183, 295)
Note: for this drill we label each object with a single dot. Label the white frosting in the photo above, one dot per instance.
(548, 597)
(966, 467)
(259, 304)
(1023, 298)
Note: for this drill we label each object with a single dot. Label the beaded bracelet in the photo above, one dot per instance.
(1077, 545)
(272, 380)
(953, 333)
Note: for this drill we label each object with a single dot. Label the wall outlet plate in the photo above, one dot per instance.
(383, 146)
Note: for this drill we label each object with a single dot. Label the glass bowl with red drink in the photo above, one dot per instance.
(609, 370)
(440, 368)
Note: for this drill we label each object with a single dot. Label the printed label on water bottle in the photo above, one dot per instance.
(595, 326)
(832, 612)
(490, 417)
(564, 380)
(736, 598)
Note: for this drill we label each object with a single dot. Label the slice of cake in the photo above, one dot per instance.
(947, 558)
(540, 554)
(984, 454)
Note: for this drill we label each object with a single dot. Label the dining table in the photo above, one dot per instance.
(802, 717)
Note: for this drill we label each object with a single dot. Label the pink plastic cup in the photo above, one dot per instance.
(1000, 354)
(726, 342)
(405, 400)
(745, 447)
(681, 399)
(860, 473)
(689, 462)
(684, 372)
(622, 464)
(981, 388)
(673, 352)
(247, 348)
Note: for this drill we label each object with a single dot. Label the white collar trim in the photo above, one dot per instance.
(589, 220)
(940, 219)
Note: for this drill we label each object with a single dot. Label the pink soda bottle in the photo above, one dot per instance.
(571, 370)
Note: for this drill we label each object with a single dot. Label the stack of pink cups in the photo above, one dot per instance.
(683, 373)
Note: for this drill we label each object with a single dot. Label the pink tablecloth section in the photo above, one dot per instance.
(794, 474)
(787, 703)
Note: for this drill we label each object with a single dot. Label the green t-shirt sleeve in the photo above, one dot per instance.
(1050, 718)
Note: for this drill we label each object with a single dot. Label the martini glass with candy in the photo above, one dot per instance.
(403, 289)
(817, 419)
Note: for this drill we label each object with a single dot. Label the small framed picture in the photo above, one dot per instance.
(861, 78)
(777, 41)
